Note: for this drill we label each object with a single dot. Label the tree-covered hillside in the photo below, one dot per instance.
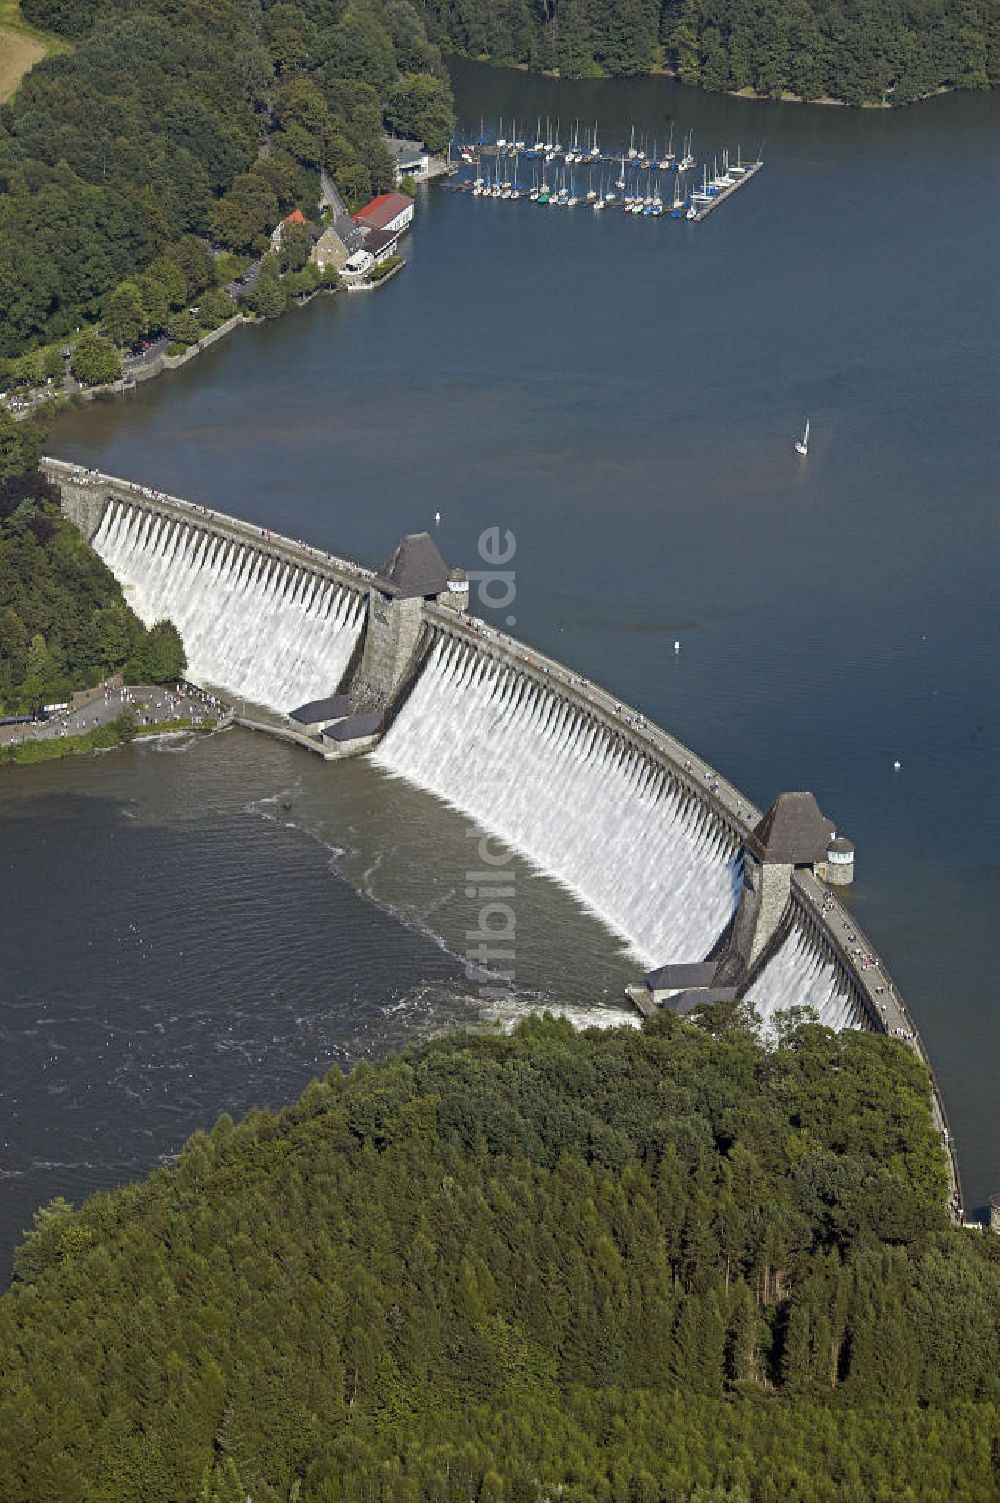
(64, 623)
(868, 51)
(625, 1267)
(172, 118)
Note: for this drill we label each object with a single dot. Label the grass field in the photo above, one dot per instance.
(21, 46)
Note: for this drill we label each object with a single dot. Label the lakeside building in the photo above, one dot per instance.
(377, 246)
(381, 244)
(389, 211)
(357, 265)
(412, 159)
(330, 250)
(317, 713)
(295, 217)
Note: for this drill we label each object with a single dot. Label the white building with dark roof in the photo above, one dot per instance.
(411, 157)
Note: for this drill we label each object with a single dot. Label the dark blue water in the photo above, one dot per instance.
(622, 394)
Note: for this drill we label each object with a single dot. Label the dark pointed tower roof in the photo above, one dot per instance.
(793, 832)
(415, 568)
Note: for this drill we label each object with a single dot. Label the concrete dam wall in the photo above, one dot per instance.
(261, 618)
(552, 780)
(272, 632)
(643, 832)
(802, 966)
(674, 860)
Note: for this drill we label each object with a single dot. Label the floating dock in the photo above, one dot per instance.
(703, 211)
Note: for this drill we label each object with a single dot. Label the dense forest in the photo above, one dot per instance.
(630, 1267)
(64, 623)
(867, 51)
(176, 123)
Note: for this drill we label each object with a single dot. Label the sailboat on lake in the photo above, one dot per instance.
(802, 444)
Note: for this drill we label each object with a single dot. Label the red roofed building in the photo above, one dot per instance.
(390, 211)
(295, 217)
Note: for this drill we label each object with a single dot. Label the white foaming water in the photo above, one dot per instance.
(270, 632)
(508, 1015)
(800, 975)
(659, 870)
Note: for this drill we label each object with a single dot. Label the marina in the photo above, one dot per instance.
(637, 179)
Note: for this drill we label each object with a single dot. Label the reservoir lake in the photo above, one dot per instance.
(200, 925)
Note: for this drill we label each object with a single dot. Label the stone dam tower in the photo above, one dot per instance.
(413, 575)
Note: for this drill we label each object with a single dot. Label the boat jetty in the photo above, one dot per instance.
(719, 187)
(639, 179)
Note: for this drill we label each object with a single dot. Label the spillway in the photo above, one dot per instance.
(269, 631)
(642, 832)
(801, 974)
(571, 795)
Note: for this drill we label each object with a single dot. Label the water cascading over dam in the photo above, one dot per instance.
(799, 969)
(272, 632)
(722, 901)
(558, 786)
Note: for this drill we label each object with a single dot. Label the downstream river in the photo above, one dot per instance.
(197, 926)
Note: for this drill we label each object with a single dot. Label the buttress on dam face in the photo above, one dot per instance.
(675, 862)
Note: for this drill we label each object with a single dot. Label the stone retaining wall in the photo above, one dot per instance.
(171, 362)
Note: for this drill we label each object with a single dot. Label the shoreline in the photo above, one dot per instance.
(51, 400)
(107, 715)
(553, 75)
(104, 738)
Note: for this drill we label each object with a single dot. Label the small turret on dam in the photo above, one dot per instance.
(793, 836)
(675, 861)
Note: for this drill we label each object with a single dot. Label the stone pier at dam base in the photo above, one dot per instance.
(714, 897)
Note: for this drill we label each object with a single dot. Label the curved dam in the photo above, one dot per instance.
(572, 793)
(690, 876)
(262, 626)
